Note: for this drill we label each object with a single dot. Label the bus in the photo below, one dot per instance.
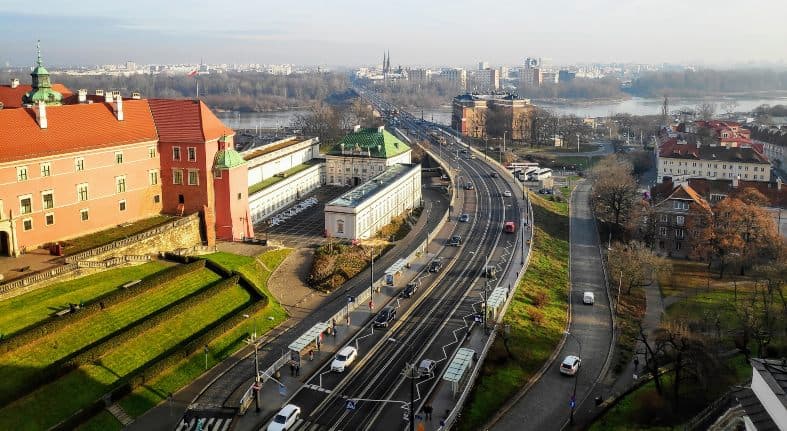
(509, 227)
(513, 166)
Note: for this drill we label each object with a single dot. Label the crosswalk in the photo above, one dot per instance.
(317, 388)
(208, 424)
(304, 425)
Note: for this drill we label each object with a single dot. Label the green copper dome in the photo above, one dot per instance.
(42, 86)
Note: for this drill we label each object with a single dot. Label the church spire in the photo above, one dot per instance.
(39, 62)
(42, 87)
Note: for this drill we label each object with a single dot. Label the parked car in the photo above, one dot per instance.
(455, 241)
(385, 317)
(344, 358)
(588, 298)
(464, 218)
(570, 365)
(507, 193)
(285, 419)
(409, 290)
(435, 266)
(469, 186)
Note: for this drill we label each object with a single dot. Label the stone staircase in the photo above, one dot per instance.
(120, 414)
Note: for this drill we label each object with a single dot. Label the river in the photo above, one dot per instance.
(442, 115)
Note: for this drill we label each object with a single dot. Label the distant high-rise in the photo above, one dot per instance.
(483, 65)
(458, 76)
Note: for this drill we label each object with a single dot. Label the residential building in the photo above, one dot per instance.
(531, 74)
(457, 76)
(364, 154)
(676, 208)
(566, 76)
(762, 406)
(486, 80)
(361, 212)
(483, 65)
(419, 75)
(476, 115)
(549, 77)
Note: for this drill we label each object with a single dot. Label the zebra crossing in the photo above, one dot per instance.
(317, 388)
(304, 425)
(208, 424)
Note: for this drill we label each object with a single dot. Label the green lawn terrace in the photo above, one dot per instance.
(150, 335)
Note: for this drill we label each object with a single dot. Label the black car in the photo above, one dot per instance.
(456, 240)
(386, 316)
(409, 290)
(493, 174)
(435, 266)
(469, 186)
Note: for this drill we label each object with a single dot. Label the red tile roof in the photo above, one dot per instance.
(12, 97)
(186, 121)
(72, 128)
(670, 148)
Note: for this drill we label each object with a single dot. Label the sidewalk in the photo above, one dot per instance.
(166, 415)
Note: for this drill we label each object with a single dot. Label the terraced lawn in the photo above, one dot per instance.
(25, 310)
(16, 366)
(81, 387)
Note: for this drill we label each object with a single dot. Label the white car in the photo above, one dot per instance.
(507, 193)
(343, 359)
(588, 298)
(285, 419)
(570, 365)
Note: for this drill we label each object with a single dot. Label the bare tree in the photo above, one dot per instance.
(728, 107)
(705, 111)
(614, 189)
(634, 265)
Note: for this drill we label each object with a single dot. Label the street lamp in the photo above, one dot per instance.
(576, 378)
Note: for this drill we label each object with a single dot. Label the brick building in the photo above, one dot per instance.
(481, 115)
(71, 169)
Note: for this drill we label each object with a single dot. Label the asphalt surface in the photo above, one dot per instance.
(546, 405)
(427, 326)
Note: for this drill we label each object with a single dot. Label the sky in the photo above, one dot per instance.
(417, 32)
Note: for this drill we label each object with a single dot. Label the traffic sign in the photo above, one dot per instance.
(350, 405)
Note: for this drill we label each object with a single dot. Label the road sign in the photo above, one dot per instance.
(350, 405)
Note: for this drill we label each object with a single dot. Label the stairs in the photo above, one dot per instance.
(120, 414)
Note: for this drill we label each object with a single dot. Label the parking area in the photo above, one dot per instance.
(302, 223)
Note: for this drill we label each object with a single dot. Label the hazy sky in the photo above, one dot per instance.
(427, 32)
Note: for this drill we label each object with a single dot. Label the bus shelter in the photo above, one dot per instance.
(312, 337)
(394, 271)
(457, 372)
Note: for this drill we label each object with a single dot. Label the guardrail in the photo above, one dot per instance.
(39, 276)
(130, 240)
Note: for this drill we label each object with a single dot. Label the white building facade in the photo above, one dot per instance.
(364, 210)
(364, 154)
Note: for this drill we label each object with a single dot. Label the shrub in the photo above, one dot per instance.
(536, 315)
(540, 298)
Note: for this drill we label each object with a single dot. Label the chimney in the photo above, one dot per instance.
(380, 129)
(14, 82)
(82, 95)
(100, 93)
(356, 128)
(40, 109)
(135, 95)
(118, 108)
(108, 97)
(735, 180)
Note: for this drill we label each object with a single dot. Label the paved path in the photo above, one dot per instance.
(545, 406)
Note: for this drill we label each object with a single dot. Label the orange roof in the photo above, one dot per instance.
(12, 97)
(186, 121)
(72, 128)
(684, 191)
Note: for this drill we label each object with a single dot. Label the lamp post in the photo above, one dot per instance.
(371, 280)
(577, 142)
(576, 378)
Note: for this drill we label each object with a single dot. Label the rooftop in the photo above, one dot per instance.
(678, 149)
(11, 97)
(273, 146)
(374, 142)
(267, 182)
(186, 121)
(356, 196)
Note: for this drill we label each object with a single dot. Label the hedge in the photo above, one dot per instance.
(95, 350)
(56, 323)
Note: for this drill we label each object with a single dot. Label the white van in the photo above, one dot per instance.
(588, 298)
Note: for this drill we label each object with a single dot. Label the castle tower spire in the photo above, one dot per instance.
(42, 87)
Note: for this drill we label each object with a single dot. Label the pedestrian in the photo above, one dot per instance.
(318, 345)
(636, 363)
(292, 369)
(311, 354)
(297, 370)
(428, 412)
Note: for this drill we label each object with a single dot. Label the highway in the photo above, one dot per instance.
(429, 325)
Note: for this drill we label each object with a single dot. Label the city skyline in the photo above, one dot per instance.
(438, 33)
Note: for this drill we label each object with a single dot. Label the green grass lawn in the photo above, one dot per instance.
(537, 316)
(89, 382)
(149, 395)
(103, 421)
(25, 310)
(97, 239)
(17, 365)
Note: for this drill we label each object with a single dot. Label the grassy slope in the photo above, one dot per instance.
(86, 242)
(531, 342)
(146, 397)
(16, 365)
(86, 384)
(25, 310)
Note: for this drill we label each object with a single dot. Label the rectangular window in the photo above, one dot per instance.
(153, 175)
(177, 176)
(27, 223)
(152, 152)
(79, 164)
(120, 184)
(192, 154)
(46, 169)
(82, 192)
(680, 205)
(21, 173)
(119, 157)
(217, 174)
(84, 214)
(679, 220)
(48, 199)
(122, 205)
(156, 199)
(175, 153)
(25, 205)
(679, 233)
(664, 218)
(49, 218)
(193, 177)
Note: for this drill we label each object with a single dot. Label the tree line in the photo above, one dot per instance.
(578, 88)
(689, 83)
(247, 91)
